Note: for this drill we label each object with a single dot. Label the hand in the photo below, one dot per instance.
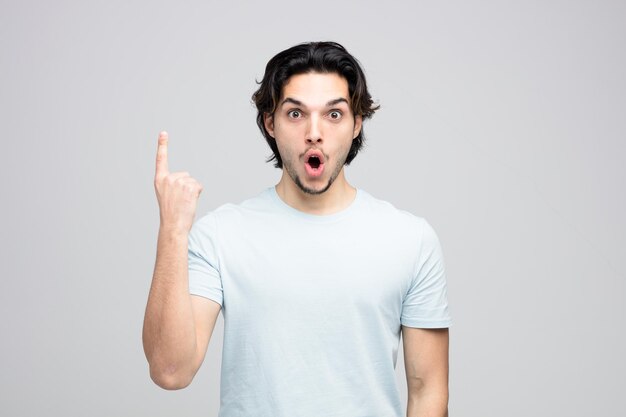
(177, 192)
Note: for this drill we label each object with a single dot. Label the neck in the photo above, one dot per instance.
(338, 196)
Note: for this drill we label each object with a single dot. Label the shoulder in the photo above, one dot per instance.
(234, 212)
(409, 224)
(259, 203)
(387, 211)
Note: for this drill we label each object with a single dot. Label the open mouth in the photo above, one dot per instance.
(314, 161)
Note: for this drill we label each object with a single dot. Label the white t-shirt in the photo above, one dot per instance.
(313, 305)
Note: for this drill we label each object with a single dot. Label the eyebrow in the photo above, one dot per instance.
(299, 103)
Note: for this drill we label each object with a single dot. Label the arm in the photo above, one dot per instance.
(426, 366)
(177, 326)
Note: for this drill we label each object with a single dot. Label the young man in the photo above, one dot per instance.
(316, 279)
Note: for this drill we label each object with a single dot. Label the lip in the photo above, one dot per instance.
(314, 152)
(311, 172)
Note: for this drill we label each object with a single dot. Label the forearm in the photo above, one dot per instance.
(169, 336)
(428, 403)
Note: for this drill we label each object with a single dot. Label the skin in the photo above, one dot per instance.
(426, 367)
(178, 326)
(304, 120)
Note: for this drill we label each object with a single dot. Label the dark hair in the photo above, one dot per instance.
(322, 57)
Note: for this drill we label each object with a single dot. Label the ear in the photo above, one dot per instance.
(268, 121)
(358, 122)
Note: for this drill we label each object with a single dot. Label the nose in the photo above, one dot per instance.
(314, 130)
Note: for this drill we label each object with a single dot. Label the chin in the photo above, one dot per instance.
(312, 191)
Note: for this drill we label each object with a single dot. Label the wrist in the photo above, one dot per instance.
(173, 231)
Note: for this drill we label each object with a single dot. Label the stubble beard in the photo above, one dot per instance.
(296, 178)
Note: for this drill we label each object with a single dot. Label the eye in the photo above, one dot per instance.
(294, 114)
(335, 115)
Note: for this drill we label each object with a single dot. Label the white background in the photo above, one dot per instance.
(502, 123)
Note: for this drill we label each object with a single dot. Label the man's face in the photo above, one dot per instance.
(314, 127)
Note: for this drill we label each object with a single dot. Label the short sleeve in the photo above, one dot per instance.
(203, 261)
(426, 303)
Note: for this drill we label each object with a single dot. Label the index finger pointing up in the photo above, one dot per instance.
(161, 160)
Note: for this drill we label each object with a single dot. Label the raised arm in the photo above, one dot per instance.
(426, 366)
(177, 326)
